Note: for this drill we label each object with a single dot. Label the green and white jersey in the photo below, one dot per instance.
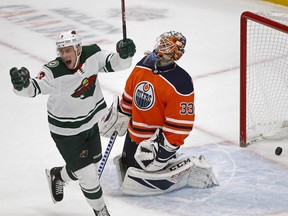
(75, 100)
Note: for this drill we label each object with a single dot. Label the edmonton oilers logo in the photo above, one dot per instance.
(144, 97)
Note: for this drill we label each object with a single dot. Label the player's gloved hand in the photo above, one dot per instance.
(126, 48)
(20, 78)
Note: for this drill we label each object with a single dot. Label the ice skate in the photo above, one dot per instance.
(102, 212)
(55, 183)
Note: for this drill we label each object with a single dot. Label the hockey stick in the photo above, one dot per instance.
(123, 13)
(114, 135)
(107, 153)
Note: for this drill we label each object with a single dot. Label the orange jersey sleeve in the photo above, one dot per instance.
(159, 100)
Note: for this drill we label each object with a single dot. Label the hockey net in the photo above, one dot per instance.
(263, 76)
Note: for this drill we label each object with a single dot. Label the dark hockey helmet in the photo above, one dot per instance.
(170, 45)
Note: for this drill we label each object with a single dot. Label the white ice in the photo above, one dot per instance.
(253, 180)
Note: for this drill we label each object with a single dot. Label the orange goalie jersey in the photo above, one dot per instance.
(159, 98)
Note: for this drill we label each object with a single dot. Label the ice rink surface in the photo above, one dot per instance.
(253, 180)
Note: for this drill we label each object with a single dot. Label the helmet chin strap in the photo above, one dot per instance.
(77, 62)
(78, 56)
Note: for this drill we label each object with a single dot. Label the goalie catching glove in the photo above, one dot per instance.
(155, 153)
(114, 120)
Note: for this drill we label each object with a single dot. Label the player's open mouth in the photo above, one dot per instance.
(68, 62)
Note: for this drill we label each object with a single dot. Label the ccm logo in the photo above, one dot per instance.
(179, 165)
(182, 163)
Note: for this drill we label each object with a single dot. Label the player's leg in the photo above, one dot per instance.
(58, 176)
(88, 174)
(81, 153)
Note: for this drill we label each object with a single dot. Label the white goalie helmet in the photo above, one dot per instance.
(68, 38)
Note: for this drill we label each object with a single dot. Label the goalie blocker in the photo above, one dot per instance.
(189, 171)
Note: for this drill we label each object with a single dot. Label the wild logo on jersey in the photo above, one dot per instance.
(144, 95)
(86, 89)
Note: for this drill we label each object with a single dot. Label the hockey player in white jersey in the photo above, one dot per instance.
(74, 107)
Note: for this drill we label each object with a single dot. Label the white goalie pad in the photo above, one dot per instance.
(189, 171)
(201, 175)
(155, 153)
(113, 121)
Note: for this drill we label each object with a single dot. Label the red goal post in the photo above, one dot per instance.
(263, 76)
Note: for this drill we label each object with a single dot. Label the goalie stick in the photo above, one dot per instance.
(107, 153)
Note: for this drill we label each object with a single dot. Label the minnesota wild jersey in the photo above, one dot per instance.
(75, 100)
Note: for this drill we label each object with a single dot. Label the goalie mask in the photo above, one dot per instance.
(170, 45)
(69, 38)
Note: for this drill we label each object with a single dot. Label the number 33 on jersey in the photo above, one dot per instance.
(159, 100)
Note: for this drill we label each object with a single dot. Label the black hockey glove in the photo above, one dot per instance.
(20, 78)
(126, 48)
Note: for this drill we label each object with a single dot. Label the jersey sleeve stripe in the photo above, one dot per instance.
(127, 101)
(124, 106)
(127, 96)
(108, 67)
(36, 87)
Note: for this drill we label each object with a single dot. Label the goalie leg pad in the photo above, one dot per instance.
(201, 174)
(189, 171)
(141, 183)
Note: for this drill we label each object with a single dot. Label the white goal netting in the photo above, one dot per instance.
(267, 79)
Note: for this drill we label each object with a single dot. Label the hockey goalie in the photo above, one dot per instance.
(156, 112)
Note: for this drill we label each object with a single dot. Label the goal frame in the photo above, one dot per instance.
(245, 16)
